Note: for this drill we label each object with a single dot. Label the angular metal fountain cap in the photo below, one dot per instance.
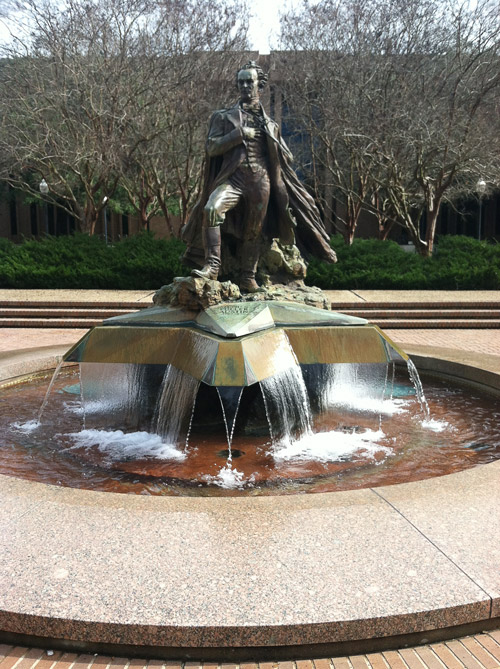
(237, 319)
(235, 344)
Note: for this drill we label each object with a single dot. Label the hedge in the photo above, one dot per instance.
(144, 263)
(139, 262)
(458, 263)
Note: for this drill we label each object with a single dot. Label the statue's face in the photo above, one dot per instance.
(248, 85)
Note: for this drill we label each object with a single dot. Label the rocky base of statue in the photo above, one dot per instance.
(293, 291)
(280, 275)
(277, 263)
(195, 294)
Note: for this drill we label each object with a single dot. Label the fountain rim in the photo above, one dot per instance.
(112, 630)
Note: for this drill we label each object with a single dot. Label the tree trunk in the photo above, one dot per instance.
(418, 242)
(349, 235)
(384, 228)
(144, 218)
(432, 217)
(91, 218)
(166, 215)
(351, 223)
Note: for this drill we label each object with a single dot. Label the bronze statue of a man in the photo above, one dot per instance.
(250, 190)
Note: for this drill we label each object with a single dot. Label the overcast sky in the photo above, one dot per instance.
(264, 26)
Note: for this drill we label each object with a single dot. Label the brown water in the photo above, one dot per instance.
(350, 448)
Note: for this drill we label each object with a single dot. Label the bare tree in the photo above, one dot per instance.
(92, 99)
(191, 57)
(404, 99)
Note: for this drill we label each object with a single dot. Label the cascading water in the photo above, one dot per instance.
(417, 384)
(112, 394)
(175, 404)
(350, 401)
(338, 446)
(119, 395)
(230, 399)
(49, 390)
(287, 405)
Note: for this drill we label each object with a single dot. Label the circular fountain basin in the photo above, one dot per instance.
(361, 442)
(252, 577)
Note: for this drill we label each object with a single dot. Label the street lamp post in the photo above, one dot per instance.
(105, 213)
(480, 189)
(44, 189)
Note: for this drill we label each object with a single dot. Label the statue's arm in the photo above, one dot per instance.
(218, 142)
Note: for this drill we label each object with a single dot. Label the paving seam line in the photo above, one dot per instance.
(374, 490)
(358, 296)
(15, 520)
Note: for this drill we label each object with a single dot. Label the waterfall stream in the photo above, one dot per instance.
(49, 389)
(417, 383)
(175, 403)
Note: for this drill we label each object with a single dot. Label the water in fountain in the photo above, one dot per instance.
(287, 405)
(120, 396)
(277, 418)
(415, 379)
(340, 446)
(175, 404)
(230, 398)
(47, 394)
(350, 401)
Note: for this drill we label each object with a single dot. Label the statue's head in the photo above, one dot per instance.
(250, 80)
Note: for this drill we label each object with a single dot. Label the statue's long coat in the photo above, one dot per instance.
(292, 215)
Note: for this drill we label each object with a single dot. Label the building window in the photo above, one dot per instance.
(61, 222)
(13, 217)
(125, 225)
(50, 215)
(34, 219)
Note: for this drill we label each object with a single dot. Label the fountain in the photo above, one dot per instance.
(242, 398)
(280, 381)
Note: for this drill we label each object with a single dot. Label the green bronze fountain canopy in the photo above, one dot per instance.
(236, 319)
(235, 344)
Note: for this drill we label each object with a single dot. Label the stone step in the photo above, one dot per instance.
(397, 315)
(74, 323)
(76, 304)
(395, 304)
(473, 313)
(384, 323)
(72, 312)
(431, 323)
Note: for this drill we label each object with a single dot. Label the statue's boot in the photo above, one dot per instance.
(250, 258)
(211, 242)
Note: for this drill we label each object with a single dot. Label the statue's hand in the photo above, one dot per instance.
(248, 133)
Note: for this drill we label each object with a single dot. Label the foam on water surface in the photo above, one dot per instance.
(28, 426)
(435, 425)
(355, 402)
(228, 478)
(331, 446)
(119, 445)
